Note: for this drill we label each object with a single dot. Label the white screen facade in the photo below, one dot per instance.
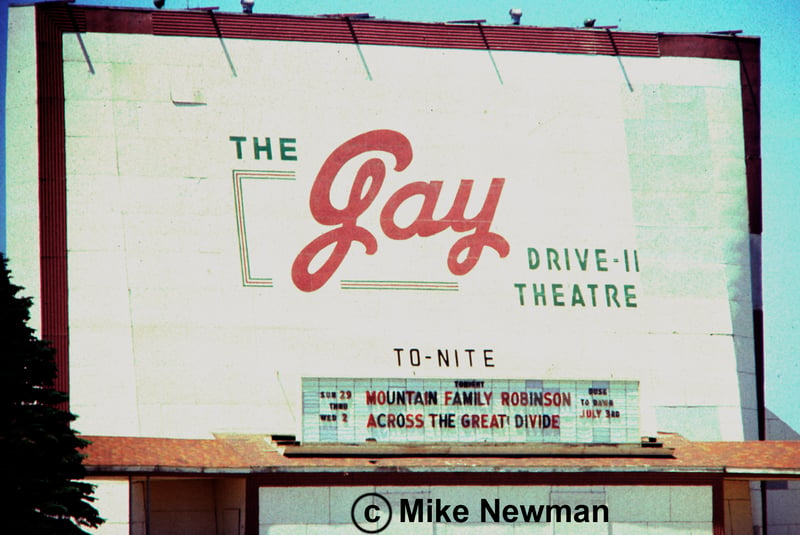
(245, 213)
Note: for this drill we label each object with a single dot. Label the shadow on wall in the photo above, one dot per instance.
(777, 429)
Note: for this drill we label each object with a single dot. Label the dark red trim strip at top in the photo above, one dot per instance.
(369, 31)
(382, 32)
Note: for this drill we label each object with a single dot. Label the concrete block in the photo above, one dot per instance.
(690, 504)
(680, 528)
(341, 502)
(638, 504)
(288, 505)
(112, 502)
(694, 423)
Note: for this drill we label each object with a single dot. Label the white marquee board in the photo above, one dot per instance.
(355, 410)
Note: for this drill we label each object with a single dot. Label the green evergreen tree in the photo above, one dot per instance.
(40, 463)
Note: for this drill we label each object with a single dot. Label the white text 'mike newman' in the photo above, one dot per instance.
(493, 511)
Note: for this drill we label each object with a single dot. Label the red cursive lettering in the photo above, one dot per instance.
(366, 185)
(425, 225)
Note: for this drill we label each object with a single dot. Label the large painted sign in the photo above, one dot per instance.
(348, 410)
(243, 216)
(416, 210)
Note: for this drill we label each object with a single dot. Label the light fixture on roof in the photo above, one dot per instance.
(516, 15)
(589, 23)
(247, 6)
(158, 3)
